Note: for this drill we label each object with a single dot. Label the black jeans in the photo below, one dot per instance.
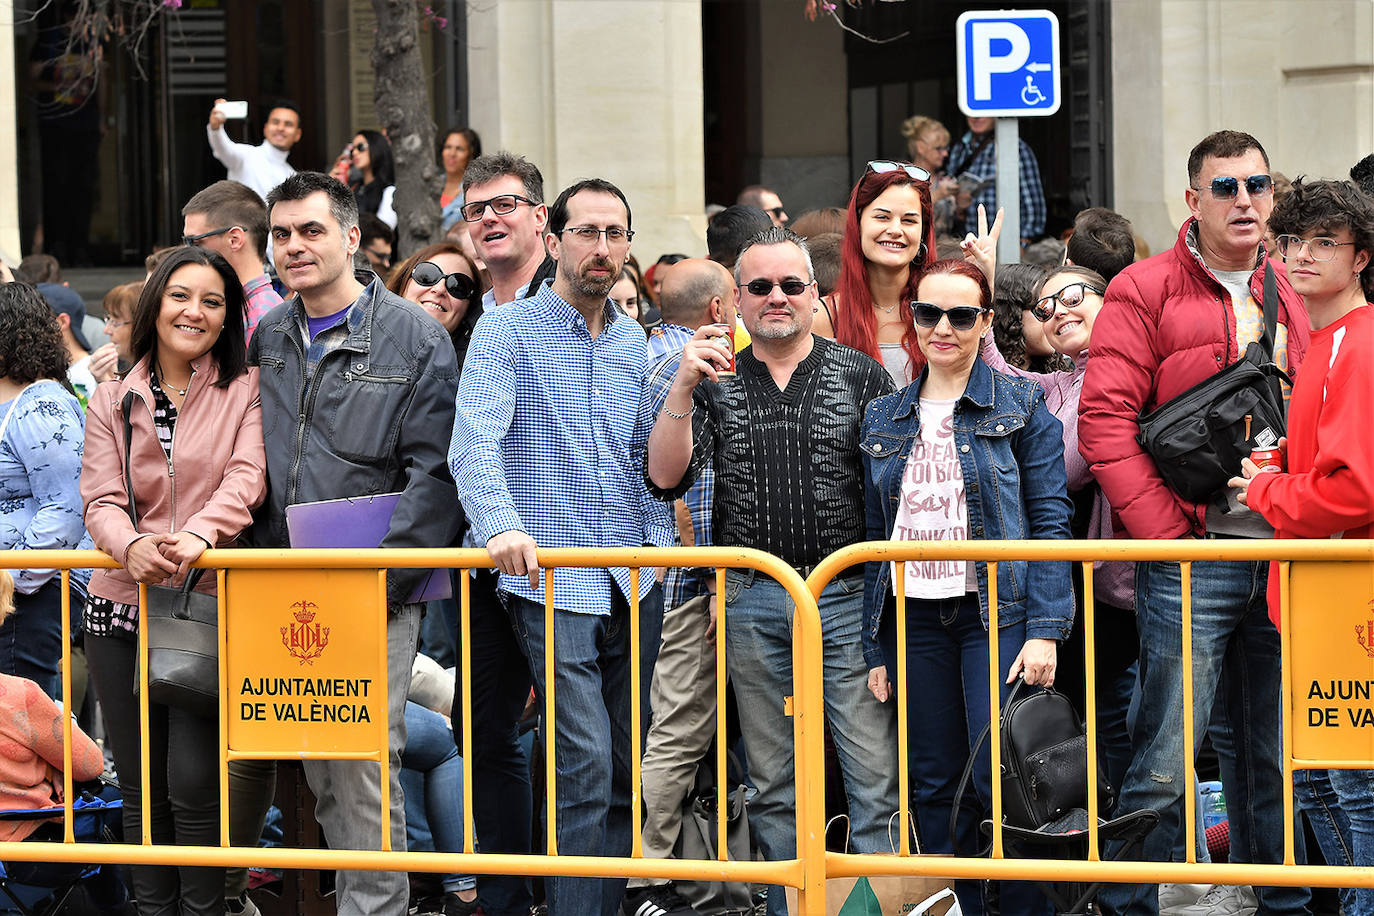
(500, 770)
(184, 783)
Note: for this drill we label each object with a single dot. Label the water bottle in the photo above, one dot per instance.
(1213, 804)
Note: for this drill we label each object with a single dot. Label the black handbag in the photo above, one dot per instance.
(1044, 761)
(1197, 439)
(183, 627)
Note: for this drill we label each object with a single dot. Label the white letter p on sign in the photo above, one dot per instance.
(985, 64)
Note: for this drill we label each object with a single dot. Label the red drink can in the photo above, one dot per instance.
(1268, 460)
(729, 340)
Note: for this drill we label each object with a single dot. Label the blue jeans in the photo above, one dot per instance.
(1355, 790)
(1235, 665)
(500, 678)
(1315, 797)
(758, 655)
(946, 710)
(31, 637)
(432, 777)
(592, 736)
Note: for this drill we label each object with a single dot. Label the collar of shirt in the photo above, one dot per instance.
(489, 297)
(255, 284)
(566, 314)
(354, 326)
(271, 152)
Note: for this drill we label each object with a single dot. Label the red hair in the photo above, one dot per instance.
(961, 268)
(855, 324)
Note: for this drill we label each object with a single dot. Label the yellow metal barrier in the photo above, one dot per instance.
(805, 872)
(1185, 552)
(808, 871)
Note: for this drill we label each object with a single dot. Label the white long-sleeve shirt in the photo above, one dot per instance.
(260, 167)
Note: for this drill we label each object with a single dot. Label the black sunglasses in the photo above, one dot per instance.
(763, 287)
(961, 317)
(458, 285)
(1228, 187)
(1070, 296)
(190, 240)
(883, 166)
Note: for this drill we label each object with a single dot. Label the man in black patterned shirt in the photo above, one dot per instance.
(784, 437)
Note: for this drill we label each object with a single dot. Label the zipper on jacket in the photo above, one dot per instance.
(306, 409)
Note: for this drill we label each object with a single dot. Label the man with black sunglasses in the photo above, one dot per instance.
(756, 195)
(783, 438)
(230, 219)
(1168, 323)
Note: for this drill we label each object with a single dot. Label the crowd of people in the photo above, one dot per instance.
(859, 373)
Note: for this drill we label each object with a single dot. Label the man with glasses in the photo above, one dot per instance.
(506, 216)
(548, 451)
(1168, 323)
(756, 195)
(230, 219)
(783, 437)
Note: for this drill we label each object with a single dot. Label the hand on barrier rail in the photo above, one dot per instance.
(183, 549)
(1036, 661)
(513, 552)
(145, 561)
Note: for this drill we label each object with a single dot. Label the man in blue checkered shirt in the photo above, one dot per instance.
(551, 427)
(976, 154)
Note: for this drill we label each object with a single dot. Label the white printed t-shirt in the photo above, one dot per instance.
(932, 507)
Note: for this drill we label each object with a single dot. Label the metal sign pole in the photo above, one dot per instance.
(1008, 143)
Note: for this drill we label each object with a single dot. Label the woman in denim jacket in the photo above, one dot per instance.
(962, 428)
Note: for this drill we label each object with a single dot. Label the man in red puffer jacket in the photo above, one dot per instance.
(1168, 323)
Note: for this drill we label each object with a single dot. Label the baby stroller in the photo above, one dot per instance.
(43, 888)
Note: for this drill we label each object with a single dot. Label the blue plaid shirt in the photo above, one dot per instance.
(682, 585)
(550, 438)
(985, 166)
(665, 340)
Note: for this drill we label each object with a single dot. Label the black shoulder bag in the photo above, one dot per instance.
(1197, 439)
(183, 633)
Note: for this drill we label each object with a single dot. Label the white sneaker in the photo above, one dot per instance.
(1222, 900)
(1173, 896)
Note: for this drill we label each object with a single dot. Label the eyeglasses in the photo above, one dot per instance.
(1070, 297)
(1226, 188)
(883, 166)
(762, 287)
(383, 257)
(777, 212)
(961, 317)
(458, 285)
(190, 240)
(1320, 248)
(114, 322)
(615, 235)
(501, 205)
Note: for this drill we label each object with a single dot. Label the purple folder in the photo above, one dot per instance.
(361, 522)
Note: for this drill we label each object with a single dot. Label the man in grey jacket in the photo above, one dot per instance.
(358, 389)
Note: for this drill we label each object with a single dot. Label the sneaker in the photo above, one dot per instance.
(242, 905)
(1173, 896)
(655, 900)
(446, 904)
(1222, 900)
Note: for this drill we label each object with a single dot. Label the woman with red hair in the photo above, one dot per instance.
(889, 241)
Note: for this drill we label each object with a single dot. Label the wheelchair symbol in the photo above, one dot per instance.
(1030, 93)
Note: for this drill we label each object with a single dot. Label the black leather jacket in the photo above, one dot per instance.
(374, 417)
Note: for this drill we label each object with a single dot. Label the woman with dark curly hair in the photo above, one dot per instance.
(40, 474)
(187, 411)
(1020, 336)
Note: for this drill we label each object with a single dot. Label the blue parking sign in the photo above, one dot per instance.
(1008, 63)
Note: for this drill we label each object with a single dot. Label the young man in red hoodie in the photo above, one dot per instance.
(1325, 232)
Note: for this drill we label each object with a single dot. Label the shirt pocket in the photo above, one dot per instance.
(883, 453)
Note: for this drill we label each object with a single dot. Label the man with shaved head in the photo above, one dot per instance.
(695, 292)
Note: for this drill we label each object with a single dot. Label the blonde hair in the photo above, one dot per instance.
(6, 595)
(916, 127)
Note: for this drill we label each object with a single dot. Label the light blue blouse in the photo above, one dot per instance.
(40, 476)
